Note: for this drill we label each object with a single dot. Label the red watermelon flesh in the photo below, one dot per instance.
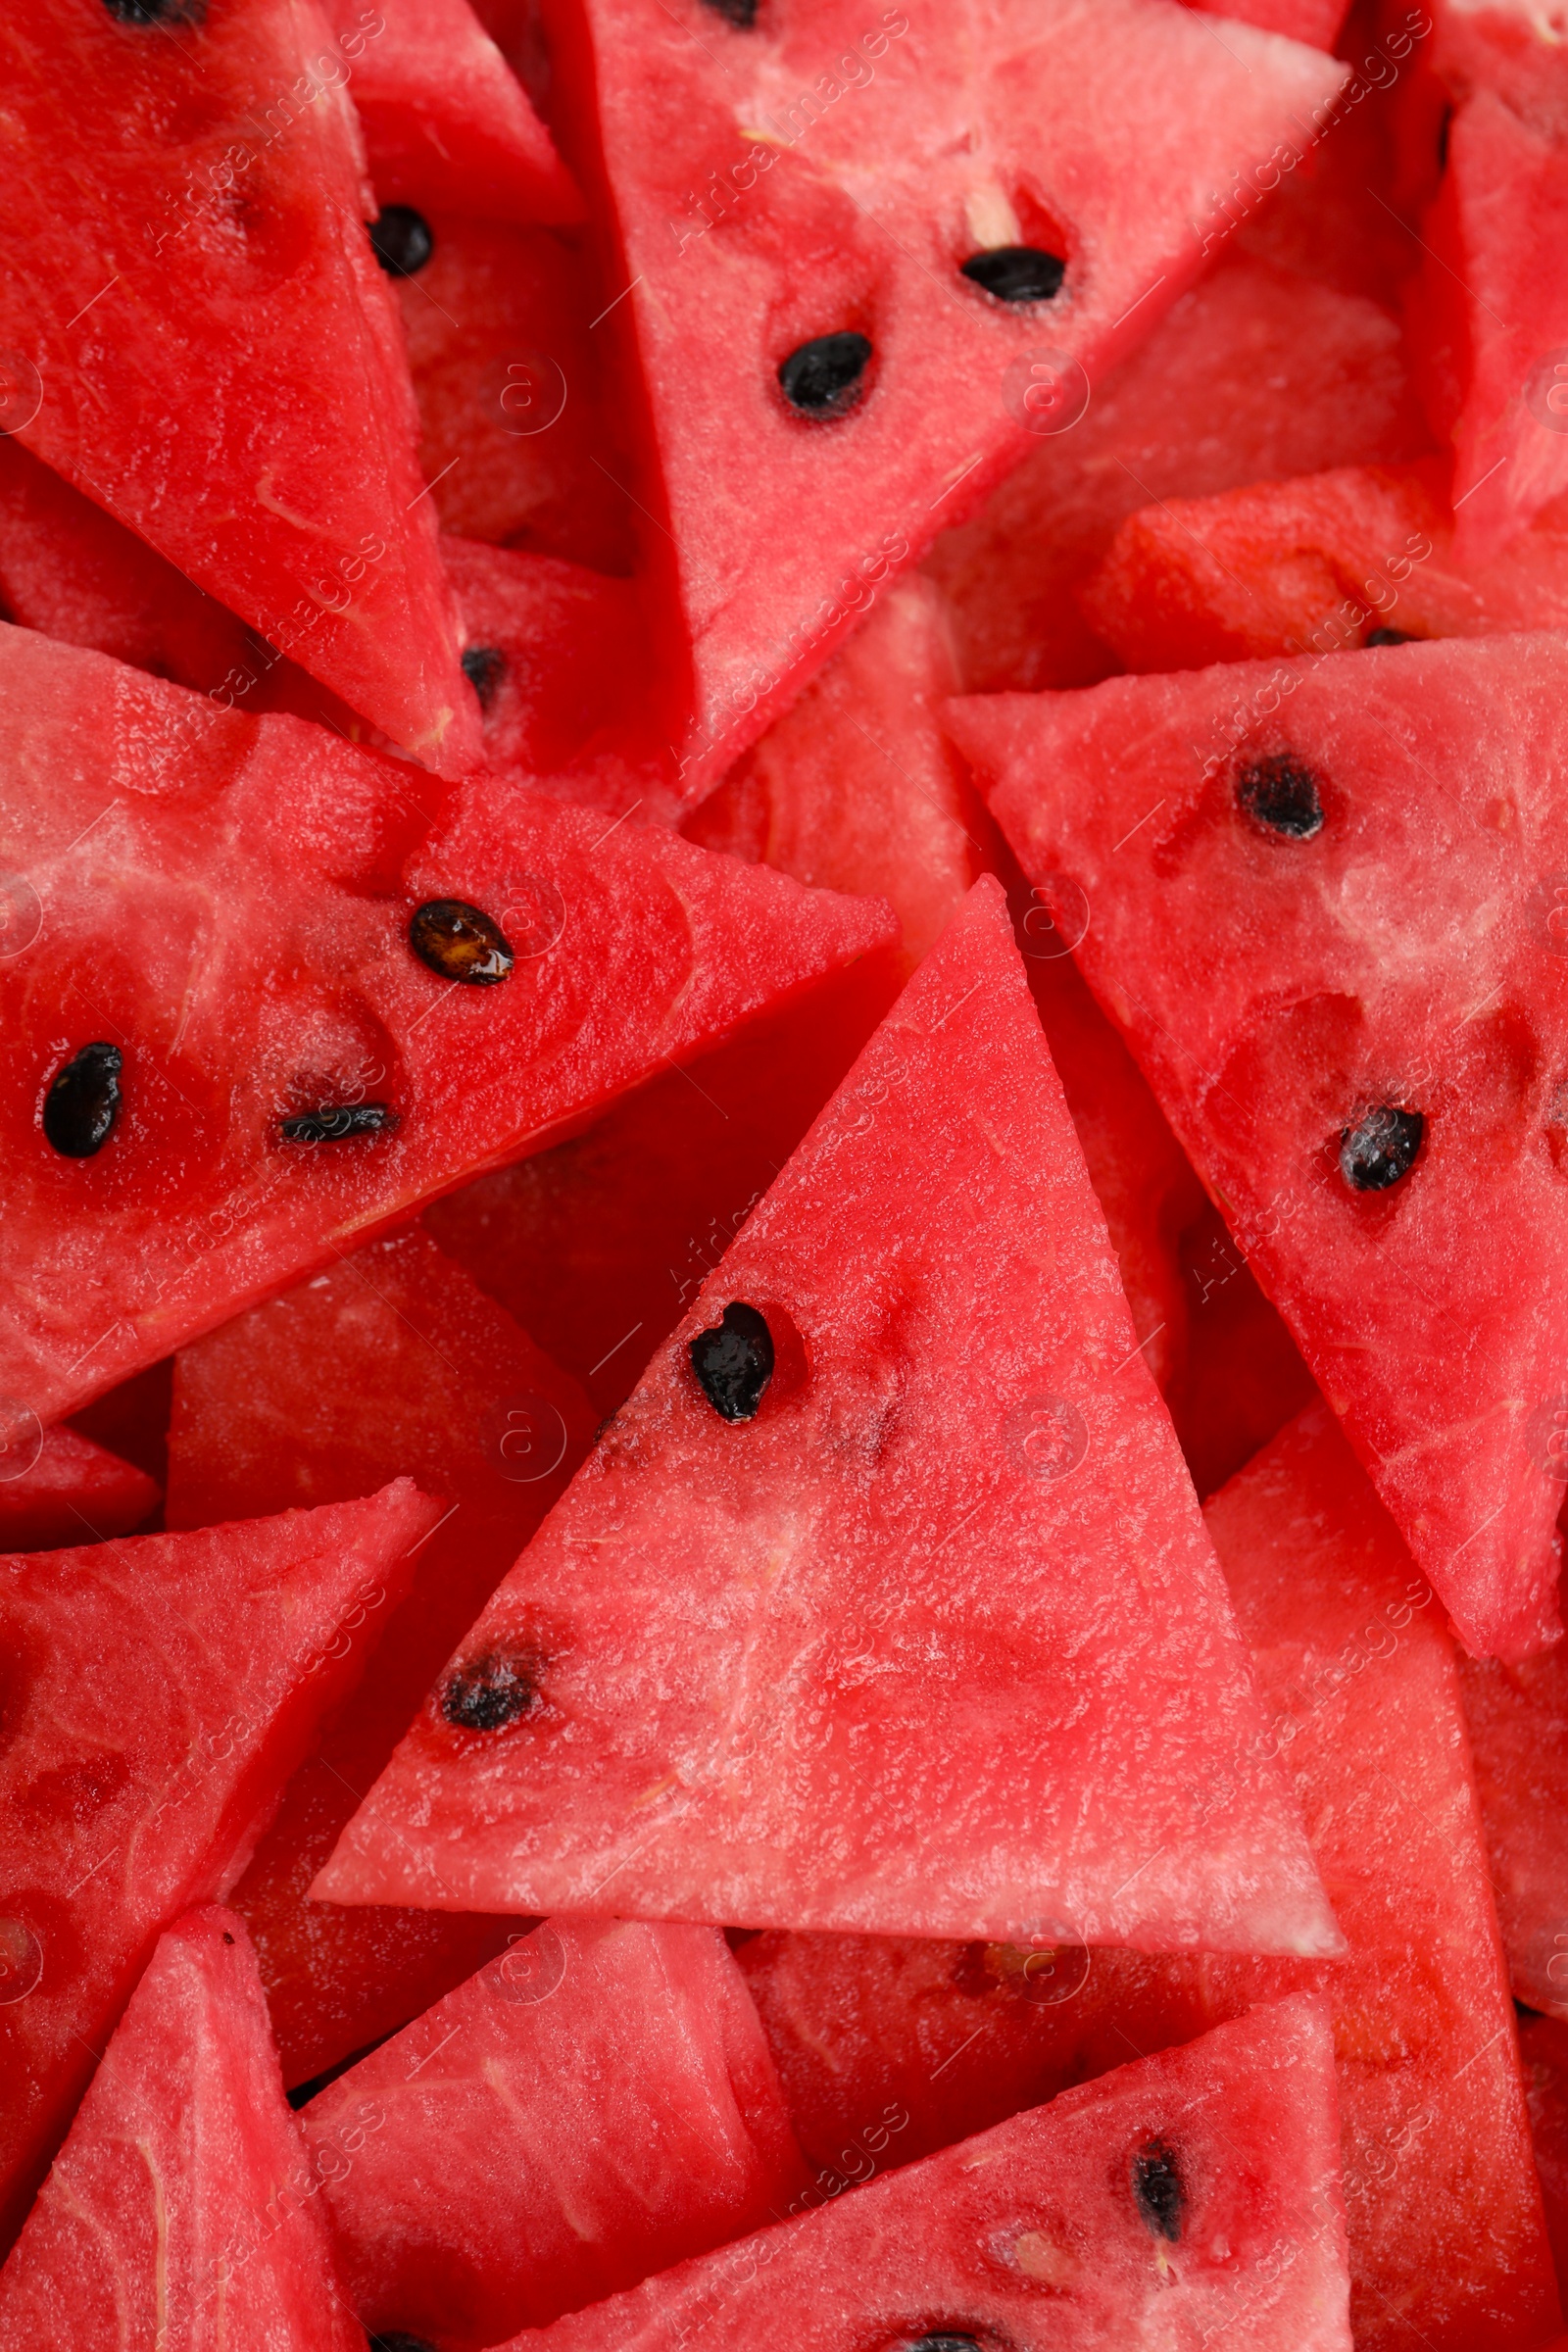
(560, 664)
(806, 174)
(217, 899)
(518, 433)
(1242, 1376)
(1394, 967)
(596, 2105)
(599, 1245)
(1256, 373)
(132, 1419)
(1518, 1719)
(191, 294)
(1314, 20)
(158, 1692)
(178, 2214)
(1180, 2198)
(446, 120)
(1319, 565)
(1488, 319)
(58, 1488)
(934, 1513)
(392, 1361)
(923, 2043)
(1543, 2054)
(1513, 48)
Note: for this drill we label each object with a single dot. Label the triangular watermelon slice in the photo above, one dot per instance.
(861, 260)
(1518, 1719)
(901, 1463)
(58, 1488)
(175, 2214)
(158, 1692)
(446, 120)
(596, 2105)
(430, 1378)
(1324, 916)
(197, 335)
(219, 963)
(1190, 2196)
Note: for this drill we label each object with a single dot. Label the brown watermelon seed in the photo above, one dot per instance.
(332, 1122)
(1016, 273)
(733, 1361)
(1380, 1147)
(484, 668)
(401, 240)
(490, 1692)
(1279, 792)
(823, 380)
(82, 1104)
(459, 942)
(1158, 2187)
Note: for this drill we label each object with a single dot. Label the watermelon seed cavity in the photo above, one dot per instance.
(742, 14)
(393, 2341)
(1016, 273)
(491, 1693)
(157, 12)
(1380, 1147)
(484, 668)
(943, 2341)
(1279, 793)
(823, 378)
(331, 1122)
(82, 1104)
(402, 241)
(459, 942)
(733, 1361)
(1158, 2187)
(1389, 637)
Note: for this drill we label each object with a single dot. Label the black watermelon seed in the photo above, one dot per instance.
(459, 942)
(733, 1361)
(157, 12)
(402, 241)
(484, 668)
(1280, 792)
(392, 2340)
(1380, 1147)
(823, 378)
(491, 1693)
(1389, 637)
(1158, 2187)
(1016, 273)
(742, 14)
(943, 2340)
(331, 1122)
(82, 1104)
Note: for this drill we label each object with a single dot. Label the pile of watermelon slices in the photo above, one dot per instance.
(784, 1144)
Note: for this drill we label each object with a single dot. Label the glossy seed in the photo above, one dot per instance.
(823, 378)
(1380, 1147)
(459, 942)
(332, 1122)
(1389, 637)
(742, 14)
(402, 241)
(484, 668)
(733, 1361)
(1158, 2187)
(490, 1693)
(82, 1104)
(1279, 793)
(1016, 273)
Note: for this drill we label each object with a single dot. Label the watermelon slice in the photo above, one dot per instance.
(446, 120)
(159, 1691)
(429, 1377)
(1518, 1719)
(1488, 323)
(132, 1419)
(597, 2105)
(1256, 373)
(1544, 2054)
(1194, 2193)
(177, 2212)
(518, 435)
(202, 343)
(925, 2042)
(1510, 47)
(1360, 1063)
(861, 240)
(1323, 565)
(58, 1488)
(877, 1473)
(294, 1075)
(560, 664)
